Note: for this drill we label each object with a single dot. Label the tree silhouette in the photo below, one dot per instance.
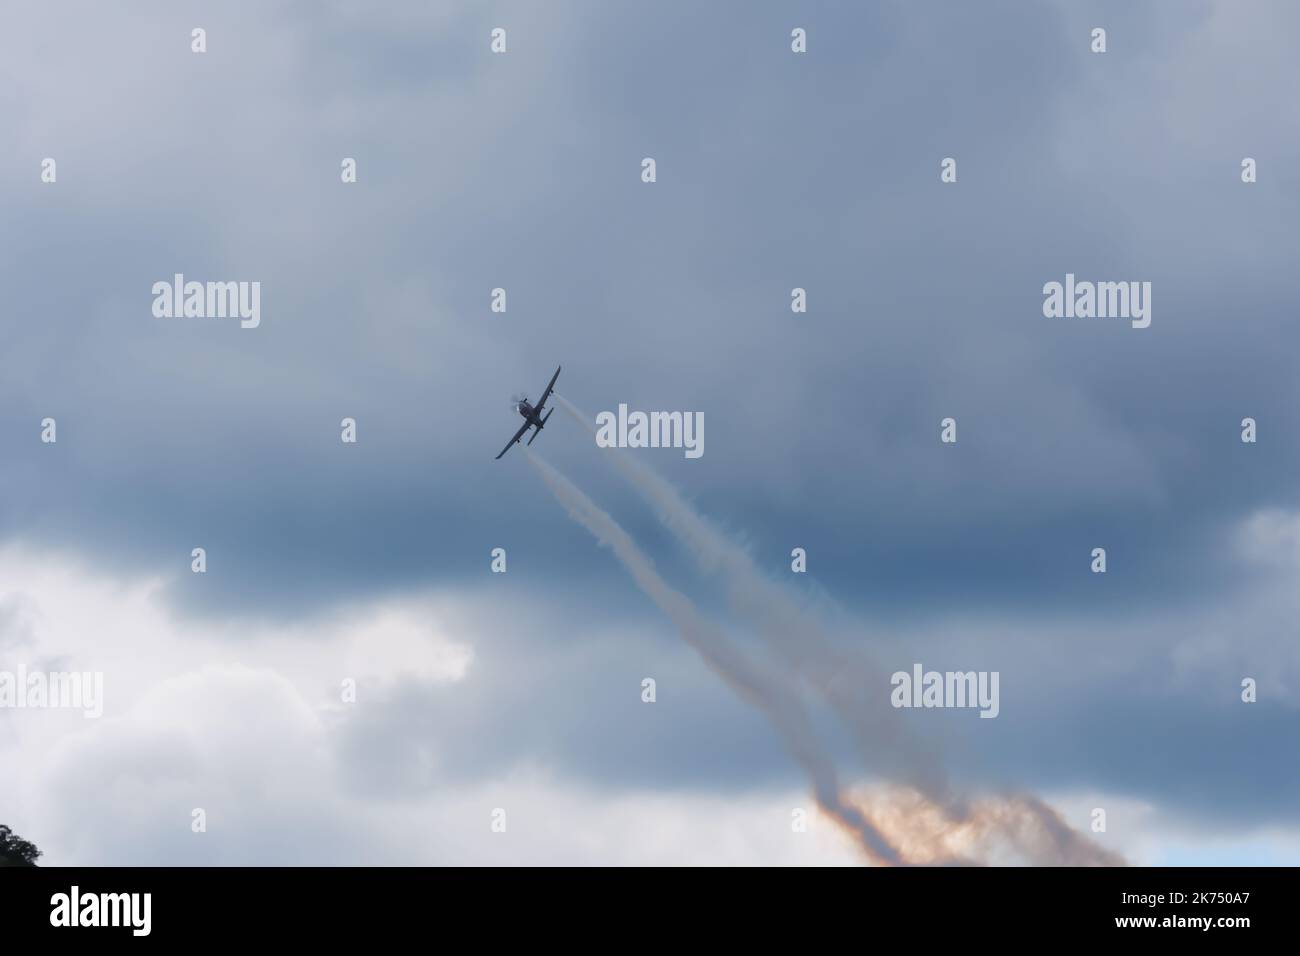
(15, 851)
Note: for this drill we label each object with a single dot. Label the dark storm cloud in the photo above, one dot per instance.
(521, 171)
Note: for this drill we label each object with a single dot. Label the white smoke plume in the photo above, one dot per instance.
(763, 690)
(1006, 829)
(795, 636)
(924, 818)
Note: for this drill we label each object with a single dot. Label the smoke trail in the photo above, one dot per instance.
(782, 707)
(1010, 829)
(834, 672)
(950, 828)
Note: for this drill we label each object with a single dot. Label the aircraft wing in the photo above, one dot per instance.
(518, 435)
(547, 394)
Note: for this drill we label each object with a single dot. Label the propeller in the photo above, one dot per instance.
(517, 400)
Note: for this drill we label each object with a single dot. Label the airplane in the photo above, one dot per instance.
(532, 415)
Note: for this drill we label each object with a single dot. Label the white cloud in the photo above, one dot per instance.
(245, 727)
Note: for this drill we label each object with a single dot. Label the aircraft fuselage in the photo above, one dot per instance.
(529, 414)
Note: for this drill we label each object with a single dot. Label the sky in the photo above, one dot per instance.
(371, 562)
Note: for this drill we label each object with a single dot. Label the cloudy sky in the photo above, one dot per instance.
(521, 691)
